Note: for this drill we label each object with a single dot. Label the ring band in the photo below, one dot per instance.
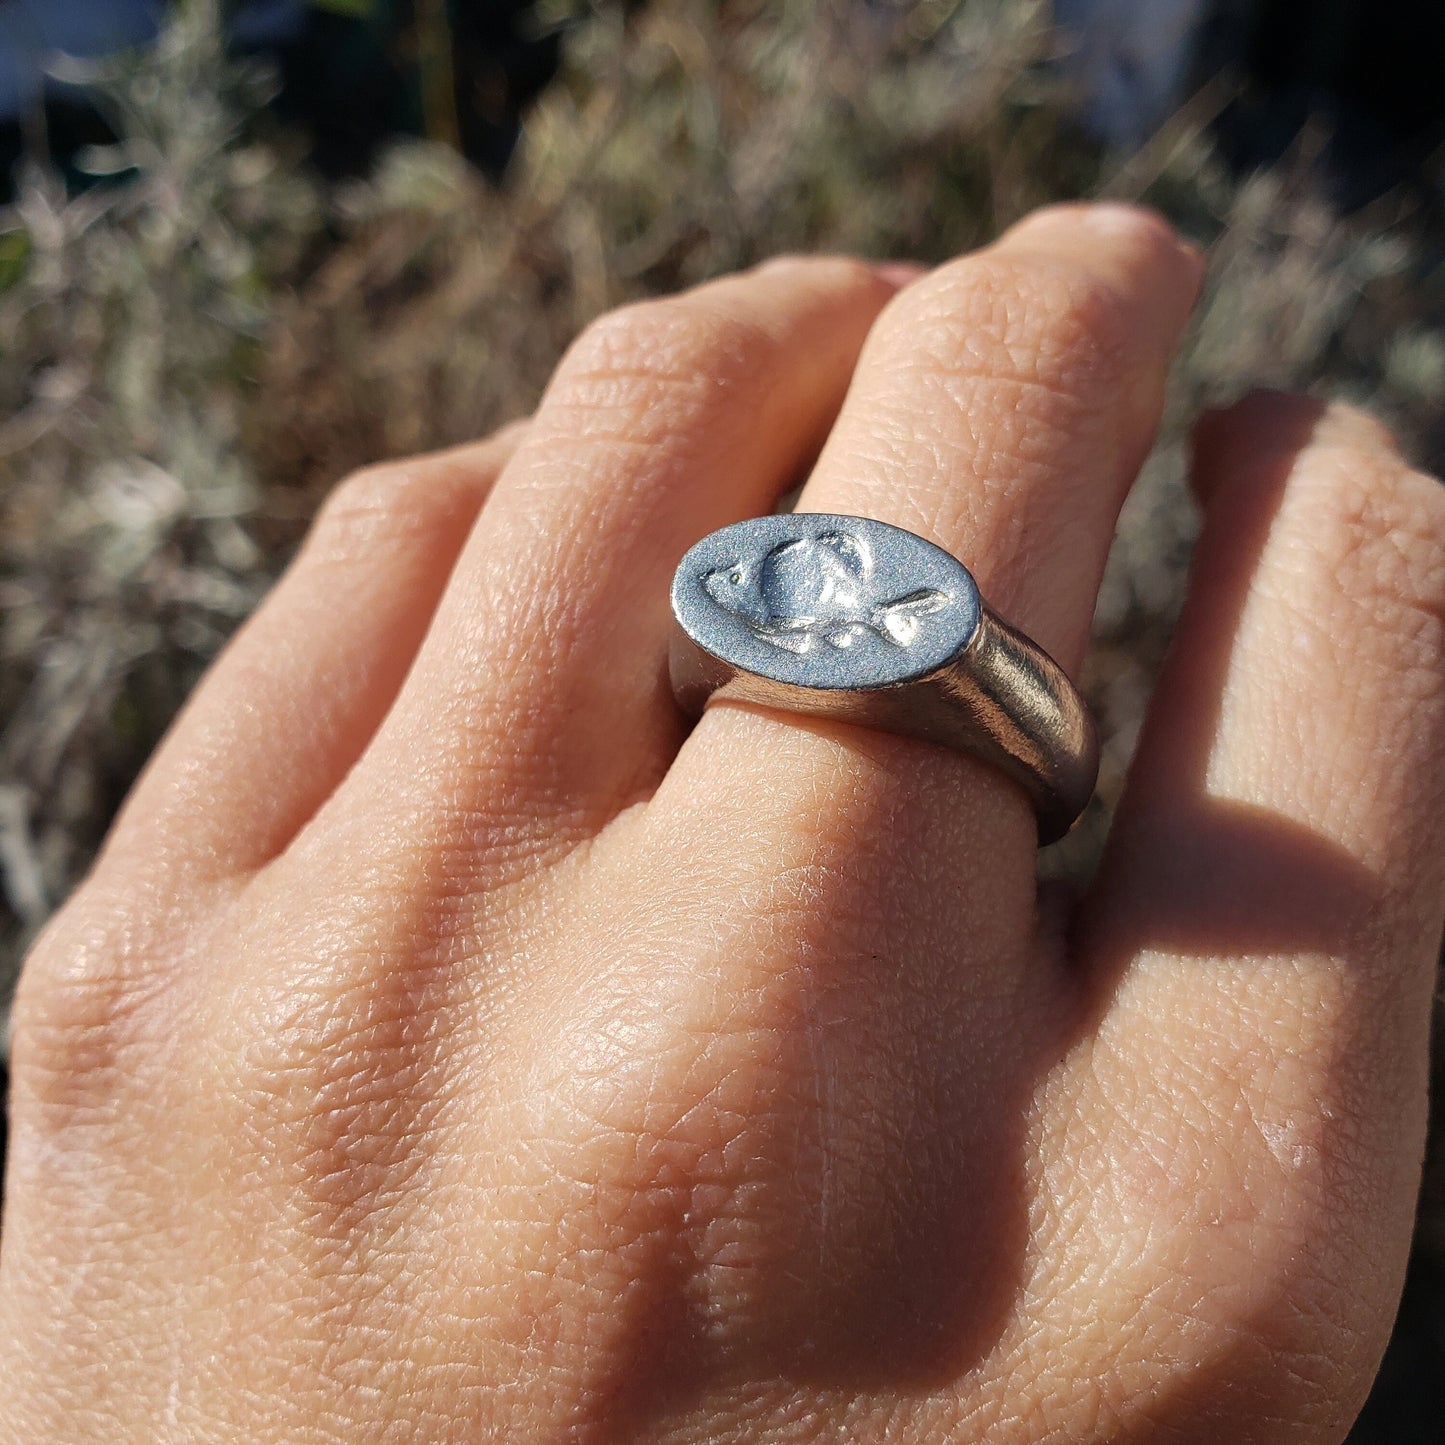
(850, 618)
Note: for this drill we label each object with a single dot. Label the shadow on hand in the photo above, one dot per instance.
(924, 1301)
(1197, 876)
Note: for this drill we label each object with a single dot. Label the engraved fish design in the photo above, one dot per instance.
(818, 590)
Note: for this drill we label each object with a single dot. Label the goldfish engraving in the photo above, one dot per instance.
(816, 591)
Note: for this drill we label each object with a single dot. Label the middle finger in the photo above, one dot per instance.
(537, 710)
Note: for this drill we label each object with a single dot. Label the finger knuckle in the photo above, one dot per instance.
(1376, 531)
(683, 1145)
(88, 1009)
(655, 361)
(334, 1081)
(375, 504)
(1042, 325)
(842, 275)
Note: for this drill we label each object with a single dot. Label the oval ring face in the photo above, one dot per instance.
(816, 600)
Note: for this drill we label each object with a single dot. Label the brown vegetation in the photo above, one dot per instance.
(192, 358)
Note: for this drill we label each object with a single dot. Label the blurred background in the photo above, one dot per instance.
(246, 247)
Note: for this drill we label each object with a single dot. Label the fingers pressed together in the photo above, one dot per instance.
(449, 1045)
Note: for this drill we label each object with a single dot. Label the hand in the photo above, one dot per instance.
(448, 1048)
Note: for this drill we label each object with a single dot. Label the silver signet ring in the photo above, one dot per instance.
(845, 617)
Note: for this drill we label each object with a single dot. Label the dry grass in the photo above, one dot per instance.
(192, 359)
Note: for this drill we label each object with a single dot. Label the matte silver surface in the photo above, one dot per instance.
(851, 618)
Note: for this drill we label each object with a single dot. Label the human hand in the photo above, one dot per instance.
(446, 1047)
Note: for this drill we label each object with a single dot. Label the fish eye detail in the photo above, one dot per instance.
(813, 592)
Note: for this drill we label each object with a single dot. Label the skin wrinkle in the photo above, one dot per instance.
(771, 1110)
(989, 308)
(388, 504)
(823, 1071)
(1066, 333)
(104, 1009)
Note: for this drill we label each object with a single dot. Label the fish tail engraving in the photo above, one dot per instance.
(899, 620)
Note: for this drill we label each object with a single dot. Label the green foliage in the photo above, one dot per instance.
(15, 252)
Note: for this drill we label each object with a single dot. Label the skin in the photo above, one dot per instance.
(448, 1047)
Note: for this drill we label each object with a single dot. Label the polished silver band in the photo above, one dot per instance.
(850, 618)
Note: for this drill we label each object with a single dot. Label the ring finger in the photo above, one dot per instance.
(826, 1008)
(1001, 408)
